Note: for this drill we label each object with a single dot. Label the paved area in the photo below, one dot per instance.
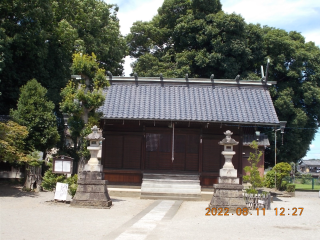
(34, 216)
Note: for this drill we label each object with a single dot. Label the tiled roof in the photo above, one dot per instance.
(205, 103)
(262, 139)
(310, 162)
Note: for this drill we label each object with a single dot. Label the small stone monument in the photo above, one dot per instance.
(92, 188)
(228, 193)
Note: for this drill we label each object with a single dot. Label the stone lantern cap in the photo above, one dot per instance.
(228, 140)
(95, 135)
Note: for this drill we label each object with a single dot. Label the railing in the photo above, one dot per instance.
(254, 201)
(304, 183)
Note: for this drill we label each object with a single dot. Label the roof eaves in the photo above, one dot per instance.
(192, 120)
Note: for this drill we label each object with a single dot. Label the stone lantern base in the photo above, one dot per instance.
(92, 191)
(227, 196)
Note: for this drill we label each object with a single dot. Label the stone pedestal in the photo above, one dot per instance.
(227, 196)
(92, 188)
(92, 191)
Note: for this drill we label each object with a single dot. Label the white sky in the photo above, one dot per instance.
(291, 15)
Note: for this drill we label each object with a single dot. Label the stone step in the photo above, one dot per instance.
(159, 176)
(169, 182)
(170, 186)
(170, 190)
(170, 196)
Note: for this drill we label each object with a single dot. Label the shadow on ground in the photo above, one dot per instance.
(14, 190)
(117, 200)
(276, 199)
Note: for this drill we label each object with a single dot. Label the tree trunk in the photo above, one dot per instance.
(33, 178)
(85, 115)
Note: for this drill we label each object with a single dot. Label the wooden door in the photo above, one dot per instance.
(122, 151)
(159, 152)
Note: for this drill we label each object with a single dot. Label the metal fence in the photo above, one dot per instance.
(304, 182)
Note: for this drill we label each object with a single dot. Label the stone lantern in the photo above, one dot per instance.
(228, 193)
(92, 188)
(93, 164)
(228, 174)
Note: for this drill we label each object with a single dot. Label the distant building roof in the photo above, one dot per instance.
(246, 102)
(310, 163)
(262, 140)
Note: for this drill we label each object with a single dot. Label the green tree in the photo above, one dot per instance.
(282, 170)
(201, 41)
(197, 40)
(12, 146)
(295, 65)
(36, 113)
(253, 176)
(38, 38)
(81, 97)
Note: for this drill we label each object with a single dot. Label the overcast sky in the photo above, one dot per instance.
(290, 15)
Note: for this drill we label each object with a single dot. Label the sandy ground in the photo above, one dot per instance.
(34, 216)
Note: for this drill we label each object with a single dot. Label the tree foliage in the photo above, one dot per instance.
(253, 176)
(199, 39)
(282, 170)
(35, 111)
(269, 179)
(38, 38)
(12, 146)
(81, 97)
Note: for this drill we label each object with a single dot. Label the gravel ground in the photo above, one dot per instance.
(34, 216)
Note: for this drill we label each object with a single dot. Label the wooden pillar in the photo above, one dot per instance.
(200, 153)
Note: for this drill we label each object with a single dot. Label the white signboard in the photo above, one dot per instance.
(66, 166)
(58, 166)
(61, 191)
(62, 166)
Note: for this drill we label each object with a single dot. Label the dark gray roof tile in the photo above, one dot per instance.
(193, 103)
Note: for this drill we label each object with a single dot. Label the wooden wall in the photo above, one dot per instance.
(125, 158)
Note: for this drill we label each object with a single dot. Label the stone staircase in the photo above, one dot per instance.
(171, 186)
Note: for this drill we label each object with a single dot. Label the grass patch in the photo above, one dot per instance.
(307, 187)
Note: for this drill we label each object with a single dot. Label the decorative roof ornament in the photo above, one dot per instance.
(228, 140)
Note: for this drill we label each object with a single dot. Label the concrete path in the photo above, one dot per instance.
(145, 222)
(34, 216)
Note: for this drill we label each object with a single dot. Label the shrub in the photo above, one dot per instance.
(283, 185)
(72, 182)
(269, 179)
(50, 180)
(305, 178)
(291, 188)
(283, 170)
(251, 191)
